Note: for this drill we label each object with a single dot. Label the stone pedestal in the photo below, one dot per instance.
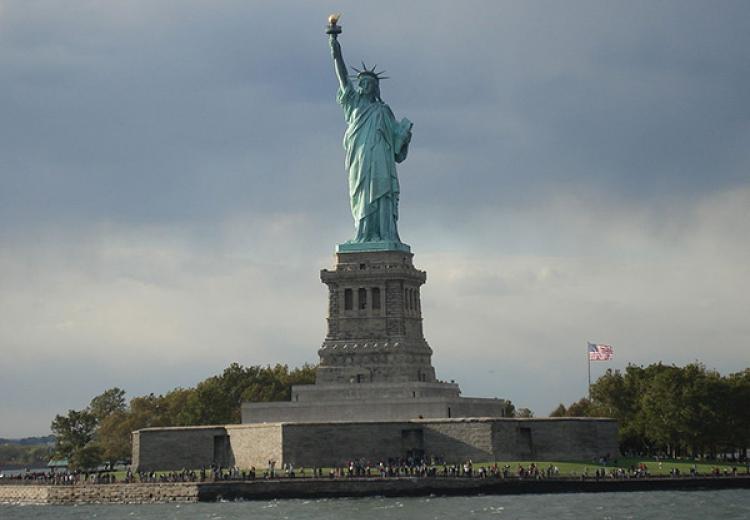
(375, 363)
(374, 321)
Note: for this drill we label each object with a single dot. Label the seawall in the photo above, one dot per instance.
(99, 493)
(355, 487)
(398, 487)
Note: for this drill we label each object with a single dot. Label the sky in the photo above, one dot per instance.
(172, 181)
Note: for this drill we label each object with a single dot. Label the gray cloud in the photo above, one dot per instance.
(171, 181)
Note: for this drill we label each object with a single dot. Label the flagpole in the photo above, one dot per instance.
(588, 356)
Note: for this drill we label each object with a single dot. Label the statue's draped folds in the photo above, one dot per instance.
(373, 141)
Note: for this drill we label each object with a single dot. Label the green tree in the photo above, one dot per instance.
(582, 408)
(661, 404)
(704, 412)
(560, 411)
(217, 400)
(73, 432)
(268, 384)
(618, 395)
(149, 411)
(174, 406)
(675, 410)
(110, 401)
(737, 422)
(113, 436)
(509, 409)
(88, 457)
(104, 429)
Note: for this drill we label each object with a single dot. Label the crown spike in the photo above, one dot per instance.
(369, 71)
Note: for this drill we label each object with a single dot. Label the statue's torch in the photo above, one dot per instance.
(333, 29)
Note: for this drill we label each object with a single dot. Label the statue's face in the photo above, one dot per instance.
(367, 85)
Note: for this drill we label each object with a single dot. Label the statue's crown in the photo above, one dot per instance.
(364, 71)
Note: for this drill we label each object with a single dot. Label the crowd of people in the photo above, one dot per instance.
(400, 467)
(59, 477)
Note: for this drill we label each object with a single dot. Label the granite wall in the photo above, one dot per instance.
(331, 443)
(177, 448)
(380, 410)
(555, 438)
(253, 445)
(459, 439)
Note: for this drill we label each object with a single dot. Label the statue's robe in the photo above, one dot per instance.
(372, 140)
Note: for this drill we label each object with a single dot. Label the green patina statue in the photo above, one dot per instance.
(374, 142)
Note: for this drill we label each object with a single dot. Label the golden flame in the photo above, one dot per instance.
(334, 18)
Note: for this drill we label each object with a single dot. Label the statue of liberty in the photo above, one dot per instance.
(374, 142)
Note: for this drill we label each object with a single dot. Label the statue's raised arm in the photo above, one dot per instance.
(338, 62)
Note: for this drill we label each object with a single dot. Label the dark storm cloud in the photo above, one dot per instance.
(183, 109)
(171, 177)
(151, 117)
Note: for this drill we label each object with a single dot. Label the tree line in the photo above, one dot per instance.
(21, 455)
(672, 411)
(29, 452)
(100, 433)
(661, 410)
(30, 441)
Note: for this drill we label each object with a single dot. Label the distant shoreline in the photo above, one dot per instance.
(13, 493)
(15, 468)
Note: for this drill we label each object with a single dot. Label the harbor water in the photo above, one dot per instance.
(684, 505)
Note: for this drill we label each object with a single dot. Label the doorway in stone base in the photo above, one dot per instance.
(525, 442)
(221, 450)
(412, 443)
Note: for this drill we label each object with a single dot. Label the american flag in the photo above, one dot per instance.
(600, 352)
